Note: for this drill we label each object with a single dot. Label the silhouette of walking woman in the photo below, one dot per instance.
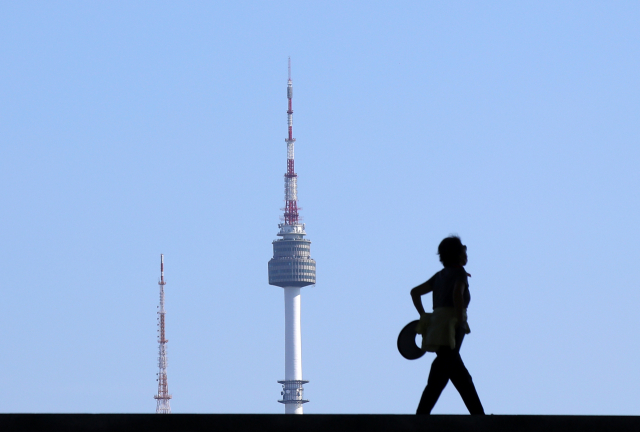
(444, 329)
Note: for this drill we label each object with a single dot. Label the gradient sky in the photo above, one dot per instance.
(131, 129)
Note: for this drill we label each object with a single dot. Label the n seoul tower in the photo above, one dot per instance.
(291, 268)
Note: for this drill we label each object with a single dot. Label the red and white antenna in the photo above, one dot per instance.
(290, 178)
(163, 406)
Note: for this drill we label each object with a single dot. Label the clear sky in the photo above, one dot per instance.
(131, 129)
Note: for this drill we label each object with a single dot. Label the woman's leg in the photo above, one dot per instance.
(461, 379)
(449, 365)
(438, 379)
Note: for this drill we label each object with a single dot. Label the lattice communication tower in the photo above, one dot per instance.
(163, 397)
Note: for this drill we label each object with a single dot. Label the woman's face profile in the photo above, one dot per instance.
(463, 256)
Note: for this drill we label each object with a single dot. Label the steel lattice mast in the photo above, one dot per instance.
(292, 268)
(290, 178)
(163, 406)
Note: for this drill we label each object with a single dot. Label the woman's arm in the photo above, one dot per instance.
(458, 299)
(416, 296)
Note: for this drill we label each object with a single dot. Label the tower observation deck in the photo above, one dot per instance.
(292, 268)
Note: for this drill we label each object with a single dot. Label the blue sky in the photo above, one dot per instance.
(131, 129)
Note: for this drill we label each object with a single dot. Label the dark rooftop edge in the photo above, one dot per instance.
(315, 423)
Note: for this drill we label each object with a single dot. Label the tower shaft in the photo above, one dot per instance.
(292, 334)
(292, 384)
(162, 398)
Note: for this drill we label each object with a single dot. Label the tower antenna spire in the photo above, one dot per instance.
(162, 406)
(290, 178)
(292, 268)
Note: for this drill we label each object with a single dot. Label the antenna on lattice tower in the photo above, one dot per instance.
(162, 398)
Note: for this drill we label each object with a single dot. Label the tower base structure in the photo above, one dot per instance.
(292, 386)
(292, 394)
